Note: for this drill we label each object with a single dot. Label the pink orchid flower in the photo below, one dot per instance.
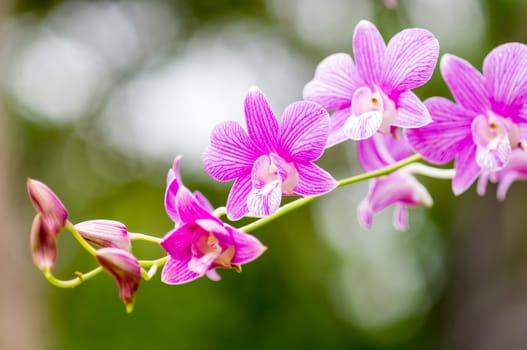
(272, 158)
(374, 93)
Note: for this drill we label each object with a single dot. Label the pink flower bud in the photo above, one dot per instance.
(43, 245)
(46, 202)
(105, 234)
(124, 267)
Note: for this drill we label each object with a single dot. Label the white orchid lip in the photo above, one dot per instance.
(495, 138)
(271, 178)
(371, 111)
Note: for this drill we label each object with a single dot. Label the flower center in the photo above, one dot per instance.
(207, 253)
(495, 138)
(371, 111)
(271, 178)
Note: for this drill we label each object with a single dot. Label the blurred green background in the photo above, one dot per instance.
(98, 97)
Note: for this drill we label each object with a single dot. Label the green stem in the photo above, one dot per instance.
(348, 181)
(81, 277)
(159, 262)
(80, 239)
(143, 237)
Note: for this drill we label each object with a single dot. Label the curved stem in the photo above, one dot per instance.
(80, 239)
(344, 182)
(81, 277)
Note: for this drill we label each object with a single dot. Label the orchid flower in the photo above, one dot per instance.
(486, 123)
(272, 158)
(201, 242)
(375, 92)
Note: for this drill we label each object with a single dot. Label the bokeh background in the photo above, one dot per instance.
(98, 97)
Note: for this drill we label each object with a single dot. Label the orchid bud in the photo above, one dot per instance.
(46, 202)
(124, 267)
(105, 234)
(43, 245)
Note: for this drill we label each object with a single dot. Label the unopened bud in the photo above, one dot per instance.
(43, 245)
(105, 234)
(46, 202)
(124, 267)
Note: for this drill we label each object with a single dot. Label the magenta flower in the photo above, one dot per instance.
(516, 169)
(126, 271)
(201, 242)
(488, 120)
(105, 233)
(399, 188)
(374, 93)
(272, 158)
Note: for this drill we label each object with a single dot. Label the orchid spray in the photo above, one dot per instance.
(367, 99)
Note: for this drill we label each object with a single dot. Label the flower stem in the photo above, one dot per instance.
(80, 239)
(159, 262)
(143, 237)
(438, 173)
(81, 277)
(344, 182)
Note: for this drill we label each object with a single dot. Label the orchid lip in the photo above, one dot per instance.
(495, 138)
(371, 111)
(272, 177)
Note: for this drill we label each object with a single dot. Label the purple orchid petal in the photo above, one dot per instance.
(237, 200)
(483, 181)
(400, 217)
(246, 247)
(303, 131)
(335, 80)
(365, 214)
(412, 113)
(466, 83)
(505, 70)
(395, 188)
(373, 153)
(213, 275)
(443, 139)
(336, 127)
(506, 181)
(368, 48)
(177, 242)
(203, 201)
(213, 225)
(177, 272)
(188, 208)
(467, 170)
(261, 121)
(173, 185)
(410, 59)
(231, 153)
(313, 180)
(381, 150)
